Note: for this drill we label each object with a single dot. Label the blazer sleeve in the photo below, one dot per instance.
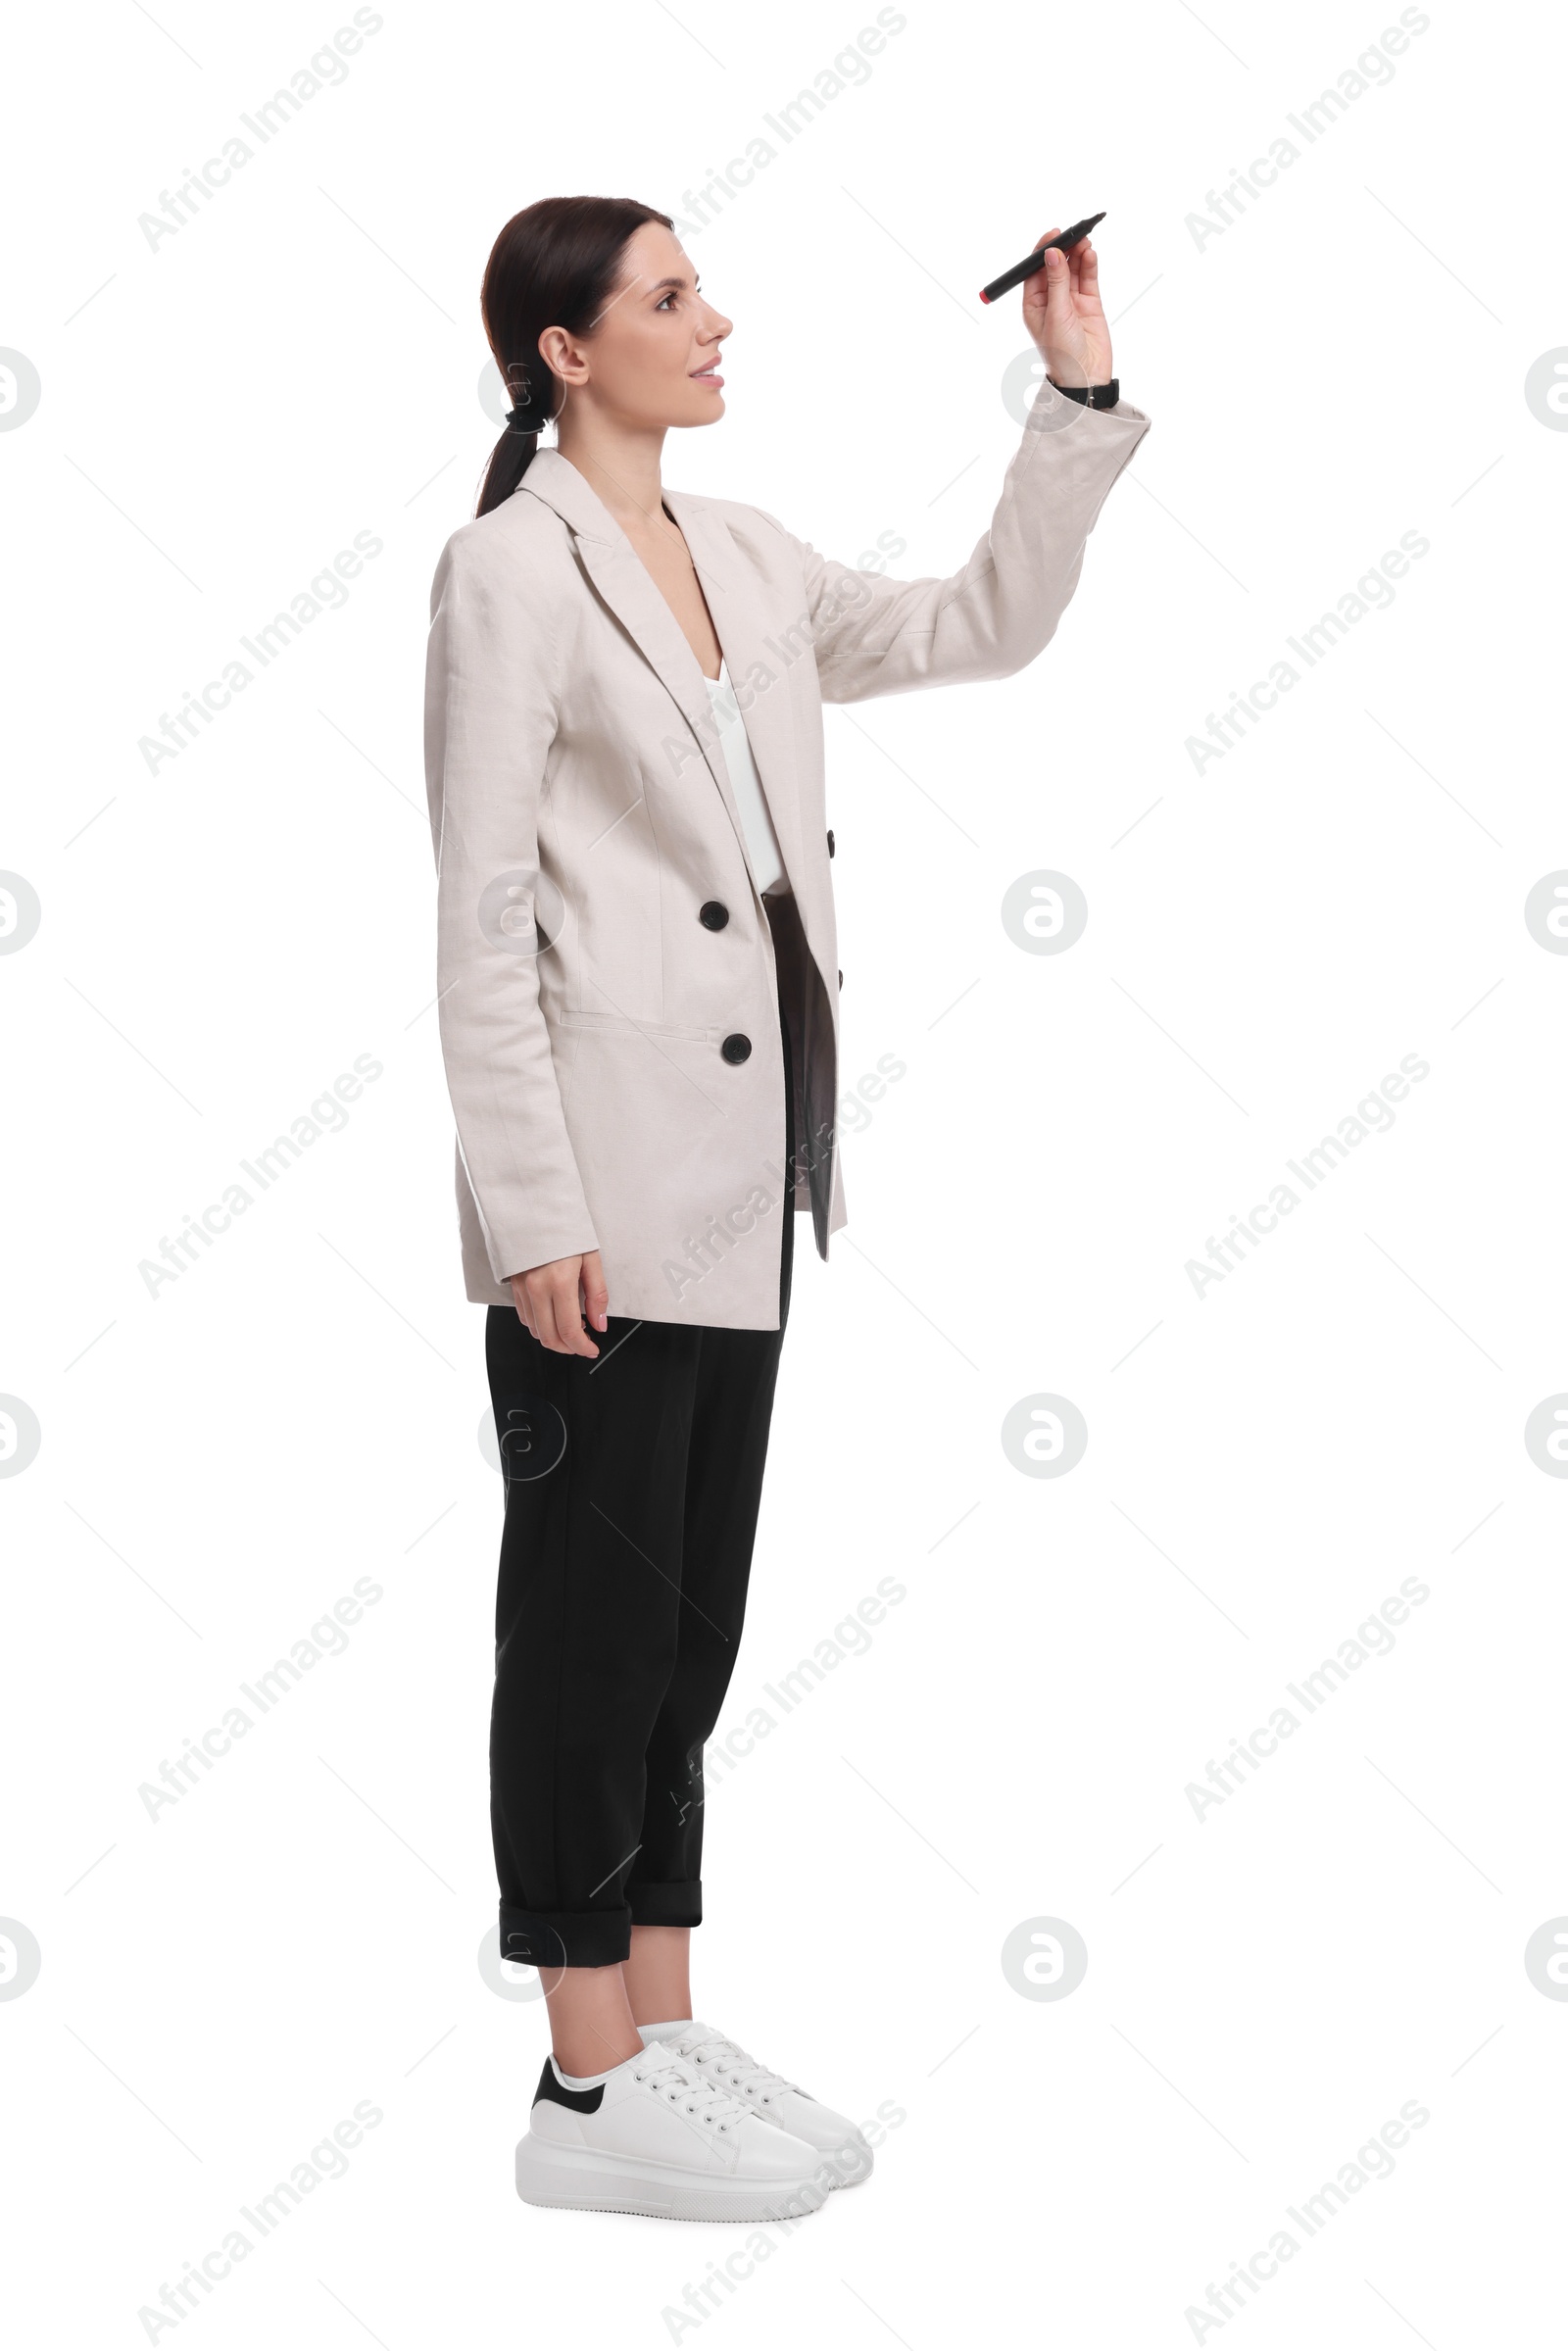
(490, 716)
(875, 635)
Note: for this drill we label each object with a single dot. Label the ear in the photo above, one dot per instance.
(563, 355)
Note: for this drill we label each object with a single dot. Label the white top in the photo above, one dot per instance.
(756, 824)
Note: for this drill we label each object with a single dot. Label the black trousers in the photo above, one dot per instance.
(633, 1481)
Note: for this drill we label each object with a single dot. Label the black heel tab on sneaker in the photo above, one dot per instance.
(582, 2101)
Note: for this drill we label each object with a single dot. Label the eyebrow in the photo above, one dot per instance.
(664, 283)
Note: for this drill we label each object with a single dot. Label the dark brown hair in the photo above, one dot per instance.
(555, 264)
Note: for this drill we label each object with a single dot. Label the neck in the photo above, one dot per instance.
(619, 463)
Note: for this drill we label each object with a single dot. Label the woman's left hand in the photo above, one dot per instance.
(1062, 312)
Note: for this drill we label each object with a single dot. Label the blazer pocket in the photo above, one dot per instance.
(622, 1024)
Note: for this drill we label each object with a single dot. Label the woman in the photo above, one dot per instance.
(638, 989)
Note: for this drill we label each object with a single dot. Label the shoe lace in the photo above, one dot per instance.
(708, 2101)
(731, 2064)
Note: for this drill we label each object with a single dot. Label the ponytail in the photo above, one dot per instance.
(510, 461)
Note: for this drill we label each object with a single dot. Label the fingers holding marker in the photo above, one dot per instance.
(1059, 276)
(1035, 263)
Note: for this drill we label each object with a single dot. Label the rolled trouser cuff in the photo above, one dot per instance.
(558, 1938)
(679, 1905)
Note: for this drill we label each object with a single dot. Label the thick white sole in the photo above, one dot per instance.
(583, 2181)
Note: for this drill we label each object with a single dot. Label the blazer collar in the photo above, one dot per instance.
(557, 480)
(741, 620)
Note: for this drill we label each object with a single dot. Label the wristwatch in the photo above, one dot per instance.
(1104, 395)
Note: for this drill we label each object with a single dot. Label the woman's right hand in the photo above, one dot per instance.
(553, 1300)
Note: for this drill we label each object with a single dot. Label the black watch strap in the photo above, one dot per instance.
(1104, 395)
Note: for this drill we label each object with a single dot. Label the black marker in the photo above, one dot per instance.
(1037, 258)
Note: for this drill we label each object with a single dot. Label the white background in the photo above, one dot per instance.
(1266, 1984)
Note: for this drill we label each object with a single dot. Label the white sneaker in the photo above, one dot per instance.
(651, 2135)
(842, 2147)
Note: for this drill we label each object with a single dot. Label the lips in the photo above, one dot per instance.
(706, 374)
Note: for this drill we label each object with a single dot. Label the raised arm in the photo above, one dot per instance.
(875, 635)
(489, 720)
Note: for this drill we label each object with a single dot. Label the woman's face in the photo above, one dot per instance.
(650, 360)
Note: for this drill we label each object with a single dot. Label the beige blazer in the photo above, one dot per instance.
(608, 981)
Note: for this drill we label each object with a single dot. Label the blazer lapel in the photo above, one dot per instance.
(623, 581)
